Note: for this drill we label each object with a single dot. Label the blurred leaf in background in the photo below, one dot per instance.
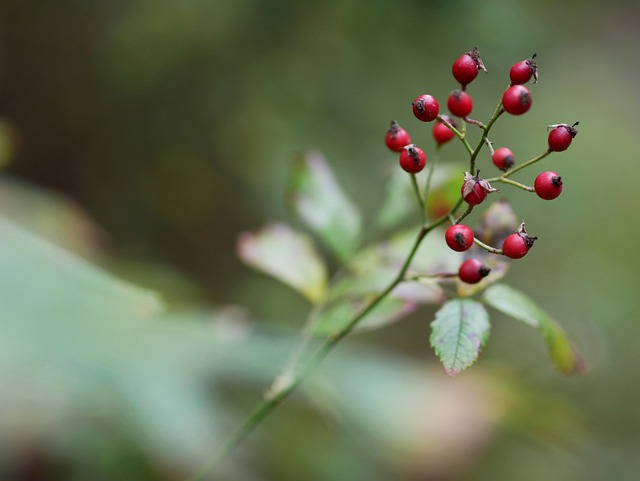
(171, 124)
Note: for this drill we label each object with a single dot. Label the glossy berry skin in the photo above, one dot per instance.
(560, 137)
(503, 158)
(516, 246)
(516, 100)
(441, 133)
(459, 237)
(548, 185)
(460, 103)
(476, 196)
(474, 190)
(412, 159)
(396, 137)
(473, 271)
(466, 67)
(425, 107)
(522, 72)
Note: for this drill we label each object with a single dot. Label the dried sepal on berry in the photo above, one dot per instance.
(466, 67)
(523, 71)
(396, 137)
(474, 188)
(561, 135)
(517, 245)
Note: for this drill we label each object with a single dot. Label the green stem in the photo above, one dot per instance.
(488, 248)
(526, 164)
(514, 183)
(438, 275)
(461, 134)
(464, 214)
(489, 146)
(475, 122)
(277, 396)
(416, 190)
(485, 132)
(427, 186)
(450, 126)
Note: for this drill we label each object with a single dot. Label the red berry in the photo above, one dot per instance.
(412, 159)
(561, 136)
(474, 189)
(522, 72)
(396, 137)
(517, 245)
(459, 237)
(516, 100)
(466, 67)
(548, 185)
(425, 108)
(472, 271)
(503, 158)
(460, 103)
(441, 133)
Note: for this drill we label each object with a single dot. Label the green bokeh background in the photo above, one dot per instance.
(171, 125)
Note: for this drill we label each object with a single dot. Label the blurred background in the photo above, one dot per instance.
(146, 135)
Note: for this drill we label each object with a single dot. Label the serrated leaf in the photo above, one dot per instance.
(318, 199)
(287, 255)
(516, 304)
(459, 331)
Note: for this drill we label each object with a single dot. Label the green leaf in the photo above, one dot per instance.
(459, 332)
(373, 269)
(399, 202)
(336, 315)
(48, 214)
(287, 255)
(514, 303)
(400, 199)
(319, 200)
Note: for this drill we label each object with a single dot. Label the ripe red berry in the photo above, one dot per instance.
(466, 67)
(548, 185)
(516, 100)
(412, 159)
(459, 237)
(425, 108)
(503, 158)
(474, 189)
(441, 133)
(396, 137)
(472, 271)
(522, 72)
(560, 136)
(517, 245)
(460, 103)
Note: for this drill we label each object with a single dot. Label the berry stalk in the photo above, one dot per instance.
(518, 168)
(485, 132)
(514, 183)
(487, 247)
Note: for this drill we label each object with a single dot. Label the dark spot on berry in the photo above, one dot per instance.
(460, 240)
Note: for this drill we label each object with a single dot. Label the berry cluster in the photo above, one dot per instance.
(516, 100)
